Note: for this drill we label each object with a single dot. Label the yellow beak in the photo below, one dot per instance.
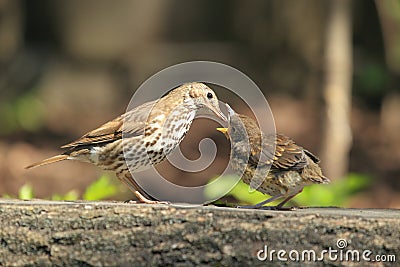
(224, 131)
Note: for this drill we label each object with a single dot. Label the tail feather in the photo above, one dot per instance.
(48, 161)
(320, 180)
(313, 172)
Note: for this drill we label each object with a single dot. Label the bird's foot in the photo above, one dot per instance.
(144, 200)
(277, 208)
(249, 207)
(266, 207)
(130, 201)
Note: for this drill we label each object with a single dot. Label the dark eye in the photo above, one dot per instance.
(209, 95)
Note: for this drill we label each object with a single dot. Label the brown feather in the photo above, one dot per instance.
(131, 123)
(108, 132)
(288, 155)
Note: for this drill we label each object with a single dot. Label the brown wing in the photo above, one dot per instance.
(288, 155)
(285, 155)
(278, 150)
(135, 121)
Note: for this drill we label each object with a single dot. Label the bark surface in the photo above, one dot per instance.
(47, 233)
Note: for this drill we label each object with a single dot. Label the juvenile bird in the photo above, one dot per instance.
(143, 136)
(285, 167)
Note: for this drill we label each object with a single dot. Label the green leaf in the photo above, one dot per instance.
(220, 186)
(100, 189)
(242, 193)
(70, 195)
(25, 192)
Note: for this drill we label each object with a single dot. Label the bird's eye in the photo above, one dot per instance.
(209, 95)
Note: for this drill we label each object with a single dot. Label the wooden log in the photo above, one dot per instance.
(48, 233)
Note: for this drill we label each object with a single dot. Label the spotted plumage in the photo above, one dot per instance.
(143, 136)
(279, 166)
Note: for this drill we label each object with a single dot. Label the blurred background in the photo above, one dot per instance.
(329, 69)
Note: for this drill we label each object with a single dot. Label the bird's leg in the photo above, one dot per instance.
(261, 204)
(135, 188)
(280, 205)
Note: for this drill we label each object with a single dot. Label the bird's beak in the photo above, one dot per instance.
(221, 116)
(224, 131)
(217, 112)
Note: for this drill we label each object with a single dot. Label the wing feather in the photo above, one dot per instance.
(131, 123)
(287, 155)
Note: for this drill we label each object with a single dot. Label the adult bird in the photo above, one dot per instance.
(143, 136)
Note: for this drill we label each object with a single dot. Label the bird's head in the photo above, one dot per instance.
(204, 97)
(236, 130)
